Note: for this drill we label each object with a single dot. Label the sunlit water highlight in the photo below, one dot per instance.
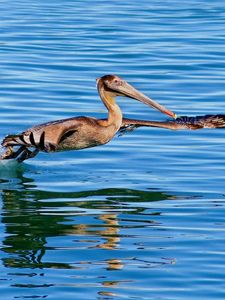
(143, 216)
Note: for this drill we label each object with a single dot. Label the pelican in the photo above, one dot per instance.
(79, 132)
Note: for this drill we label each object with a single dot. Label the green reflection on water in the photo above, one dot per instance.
(31, 216)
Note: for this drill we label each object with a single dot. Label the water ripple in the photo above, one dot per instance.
(142, 216)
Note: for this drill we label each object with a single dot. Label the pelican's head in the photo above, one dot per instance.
(116, 86)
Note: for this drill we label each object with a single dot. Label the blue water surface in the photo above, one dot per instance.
(142, 217)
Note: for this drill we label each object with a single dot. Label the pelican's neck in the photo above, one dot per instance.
(115, 116)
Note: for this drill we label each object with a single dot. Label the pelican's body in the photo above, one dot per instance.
(79, 132)
(71, 134)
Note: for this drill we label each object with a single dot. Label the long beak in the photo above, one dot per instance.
(127, 90)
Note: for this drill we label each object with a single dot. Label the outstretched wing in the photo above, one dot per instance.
(184, 122)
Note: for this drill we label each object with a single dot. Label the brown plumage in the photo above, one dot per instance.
(79, 132)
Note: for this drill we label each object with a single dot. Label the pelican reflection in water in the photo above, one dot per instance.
(79, 132)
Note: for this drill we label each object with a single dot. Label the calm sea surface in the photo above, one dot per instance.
(142, 217)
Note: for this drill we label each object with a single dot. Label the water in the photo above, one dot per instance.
(143, 216)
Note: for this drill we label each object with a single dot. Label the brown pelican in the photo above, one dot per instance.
(79, 132)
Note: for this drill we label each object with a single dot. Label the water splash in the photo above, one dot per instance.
(7, 165)
(2, 150)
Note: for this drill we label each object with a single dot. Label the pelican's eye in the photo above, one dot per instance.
(118, 82)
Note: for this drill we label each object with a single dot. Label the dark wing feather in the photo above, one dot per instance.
(207, 121)
(66, 135)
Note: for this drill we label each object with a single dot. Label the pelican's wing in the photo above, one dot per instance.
(184, 122)
(45, 137)
(207, 121)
